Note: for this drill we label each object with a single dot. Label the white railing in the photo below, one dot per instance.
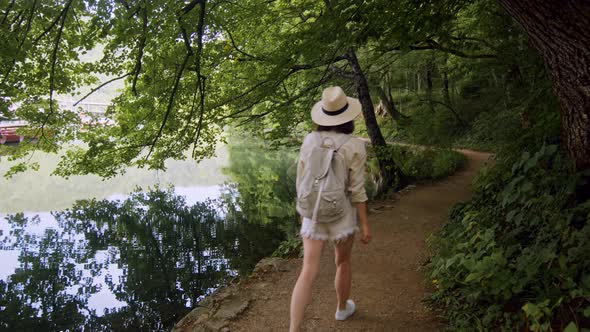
(13, 123)
(90, 107)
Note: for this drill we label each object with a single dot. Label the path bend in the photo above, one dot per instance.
(388, 286)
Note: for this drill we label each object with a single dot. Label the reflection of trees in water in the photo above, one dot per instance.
(35, 296)
(169, 254)
(263, 182)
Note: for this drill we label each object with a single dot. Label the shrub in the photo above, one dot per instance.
(417, 163)
(290, 248)
(515, 256)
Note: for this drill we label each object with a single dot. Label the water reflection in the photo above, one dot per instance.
(122, 265)
(263, 181)
(41, 191)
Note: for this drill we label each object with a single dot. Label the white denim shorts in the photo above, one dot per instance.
(334, 231)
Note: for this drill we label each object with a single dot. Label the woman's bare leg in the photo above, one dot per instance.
(343, 278)
(312, 251)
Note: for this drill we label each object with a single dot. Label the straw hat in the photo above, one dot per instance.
(335, 108)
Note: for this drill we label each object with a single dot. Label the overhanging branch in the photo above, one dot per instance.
(140, 48)
(53, 65)
(231, 38)
(54, 23)
(100, 87)
(190, 6)
(433, 45)
(170, 104)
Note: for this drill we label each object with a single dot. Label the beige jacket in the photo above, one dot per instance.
(355, 155)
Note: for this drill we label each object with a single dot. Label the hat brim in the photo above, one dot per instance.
(320, 118)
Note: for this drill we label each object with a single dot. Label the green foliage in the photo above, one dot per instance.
(263, 187)
(263, 178)
(515, 256)
(419, 163)
(492, 93)
(437, 128)
(190, 68)
(290, 248)
(491, 130)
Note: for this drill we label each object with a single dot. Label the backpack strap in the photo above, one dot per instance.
(336, 144)
(339, 143)
(334, 148)
(316, 208)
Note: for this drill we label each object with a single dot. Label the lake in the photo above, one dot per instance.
(133, 253)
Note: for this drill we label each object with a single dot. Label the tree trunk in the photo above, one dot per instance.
(560, 31)
(389, 105)
(446, 94)
(429, 70)
(362, 87)
(387, 168)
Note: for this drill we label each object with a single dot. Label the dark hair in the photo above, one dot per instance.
(345, 128)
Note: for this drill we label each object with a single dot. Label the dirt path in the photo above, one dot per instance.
(387, 284)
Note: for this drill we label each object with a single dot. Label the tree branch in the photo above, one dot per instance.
(186, 9)
(463, 123)
(231, 38)
(242, 110)
(201, 115)
(436, 46)
(141, 46)
(20, 18)
(340, 72)
(254, 87)
(432, 45)
(484, 42)
(100, 87)
(28, 27)
(305, 66)
(8, 9)
(170, 104)
(201, 78)
(251, 118)
(53, 24)
(53, 64)
(20, 46)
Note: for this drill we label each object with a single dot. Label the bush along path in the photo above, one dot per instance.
(516, 256)
(389, 284)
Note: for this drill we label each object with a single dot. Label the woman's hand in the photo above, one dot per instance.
(365, 234)
(361, 209)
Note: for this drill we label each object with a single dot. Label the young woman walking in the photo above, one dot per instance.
(334, 115)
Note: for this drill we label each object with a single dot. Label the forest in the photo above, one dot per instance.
(509, 77)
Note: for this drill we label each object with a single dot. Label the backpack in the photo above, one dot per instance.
(321, 189)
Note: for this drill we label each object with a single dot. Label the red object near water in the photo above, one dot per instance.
(9, 135)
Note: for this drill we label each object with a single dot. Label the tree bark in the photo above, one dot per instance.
(389, 105)
(362, 87)
(445, 84)
(445, 88)
(388, 170)
(560, 31)
(429, 70)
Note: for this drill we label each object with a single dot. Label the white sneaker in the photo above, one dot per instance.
(344, 314)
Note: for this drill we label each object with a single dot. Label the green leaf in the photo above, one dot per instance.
(530, 163)
(530, 309)
(476, 276)
(562, 262)
(571, 327)
(551, 149)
